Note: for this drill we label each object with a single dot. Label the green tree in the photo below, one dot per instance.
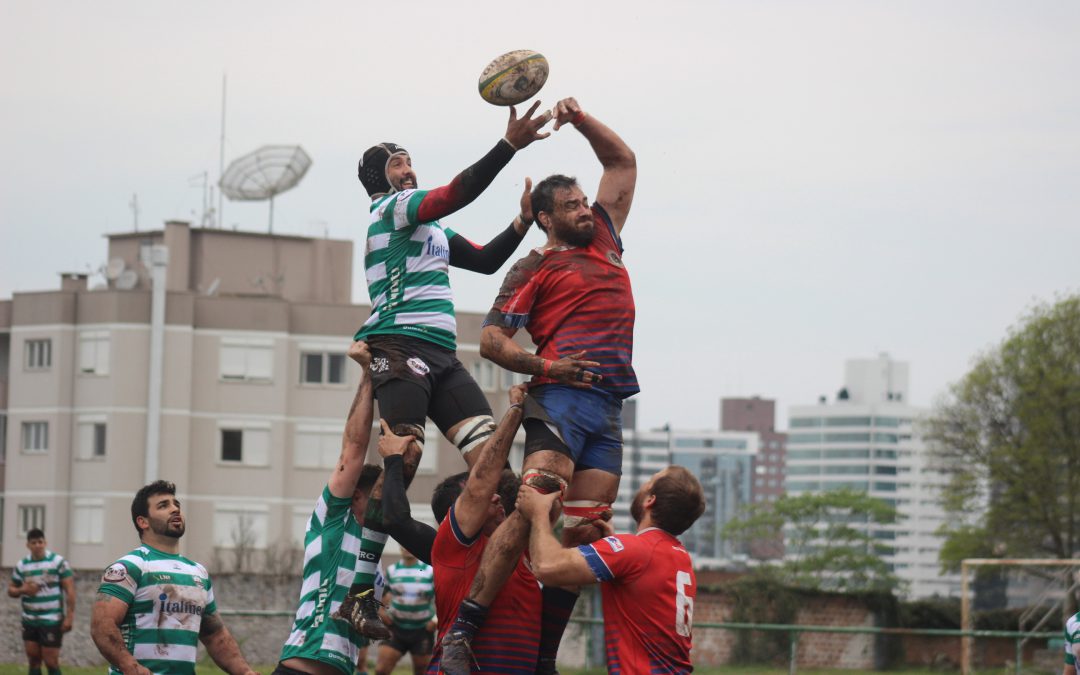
(1009, 435)
(827, 538)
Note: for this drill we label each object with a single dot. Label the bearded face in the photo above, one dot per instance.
(572, 219)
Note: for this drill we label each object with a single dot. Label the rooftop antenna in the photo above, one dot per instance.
(221, 151)
(265, 173)
(202, 180)
(134, 204)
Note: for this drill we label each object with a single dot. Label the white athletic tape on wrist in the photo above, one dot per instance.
(473, 433)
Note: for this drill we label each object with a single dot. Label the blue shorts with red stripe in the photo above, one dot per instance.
(584, 424)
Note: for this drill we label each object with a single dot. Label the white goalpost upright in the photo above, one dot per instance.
(965, 595)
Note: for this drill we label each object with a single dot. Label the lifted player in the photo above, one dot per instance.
(412, 332)
(38, 579)
(573, 296)
(648, 580)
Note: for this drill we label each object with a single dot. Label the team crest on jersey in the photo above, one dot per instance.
(614, 543)
(380, 364)
(614, 259)
(114, 574)
(197, 581)
(417, 365)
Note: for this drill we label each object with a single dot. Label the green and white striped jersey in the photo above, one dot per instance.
(1072, 640)
(331, 546)
(413, 588)
(45, 608)
(407, 266)
(167, 597)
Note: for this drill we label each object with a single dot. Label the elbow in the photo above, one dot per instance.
(487, 344)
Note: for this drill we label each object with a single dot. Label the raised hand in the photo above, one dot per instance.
(392, 444)
(521, 132)
(567, 111)
(359, 352)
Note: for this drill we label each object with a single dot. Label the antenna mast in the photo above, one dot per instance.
(134, 204)
(221, 153)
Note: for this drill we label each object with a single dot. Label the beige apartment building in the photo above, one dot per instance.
(243, 409)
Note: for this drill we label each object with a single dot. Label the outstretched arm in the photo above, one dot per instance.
(471, 507)
(551, 563)
(414, 535)
(467, 185)
(221, 646)
(357, 430)
(489, 258)
(616, 191)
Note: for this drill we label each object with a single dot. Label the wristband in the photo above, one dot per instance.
(516, 405)
(547, 367)
(577, 119)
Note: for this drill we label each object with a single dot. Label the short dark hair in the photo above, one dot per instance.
(679, 500)
(35, 533)
(446, 493)
(543, 195)
(140, 506)
(368, 475)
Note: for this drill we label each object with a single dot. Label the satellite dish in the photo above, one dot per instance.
(265, 173)
(114, 268)
(127, 280)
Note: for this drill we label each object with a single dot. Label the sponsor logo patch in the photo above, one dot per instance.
(614, 543)
(380, 364)
(417, 365)
(114, 574)
(614, 259)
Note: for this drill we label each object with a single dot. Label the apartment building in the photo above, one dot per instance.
(228, 377)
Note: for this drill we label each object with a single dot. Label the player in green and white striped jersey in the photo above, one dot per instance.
(410, 614)
(412, 331)
(38, 579)
(1072, 645)
(321, 643)
(154, 605)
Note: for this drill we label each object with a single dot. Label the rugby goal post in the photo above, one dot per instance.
(965, 595)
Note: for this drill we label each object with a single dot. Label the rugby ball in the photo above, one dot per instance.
(513, 77)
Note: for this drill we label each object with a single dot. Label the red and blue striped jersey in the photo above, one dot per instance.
(648, 596)
(572, 298)
(510, 638)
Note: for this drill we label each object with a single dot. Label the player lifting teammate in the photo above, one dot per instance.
(573, 296)
(412, 331)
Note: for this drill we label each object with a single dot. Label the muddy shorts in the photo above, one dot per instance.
(583, 424)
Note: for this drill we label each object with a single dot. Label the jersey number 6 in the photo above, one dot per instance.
(684, 605)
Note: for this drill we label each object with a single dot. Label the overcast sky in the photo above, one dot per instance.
(817, 180)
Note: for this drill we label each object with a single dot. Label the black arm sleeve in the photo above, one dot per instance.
(415, 536)
(485, 259)
(466, 186)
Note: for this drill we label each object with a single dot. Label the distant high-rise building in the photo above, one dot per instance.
(867, 439)
(759, 416)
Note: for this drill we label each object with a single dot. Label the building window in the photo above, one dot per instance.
(301, 517)
(246, 359)
(483, 372)
(35, 437)
(91, 438)
(241, 526)
(94, 352)
(316, 447)
(38, 354)
(31, 516)
(322, 368)
(87, 521)
(243, 443)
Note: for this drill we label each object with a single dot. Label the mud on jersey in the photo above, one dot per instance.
(407, 263)
(167, 596)
(44, 608)
(331, 546)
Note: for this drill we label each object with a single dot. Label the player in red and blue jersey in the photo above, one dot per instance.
(648, 580)
(573, 296)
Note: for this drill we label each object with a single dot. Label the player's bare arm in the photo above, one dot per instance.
(221, 646)
(472, 504)
(68, 586)
(497, 344)
(105, 618)
(551, 563)
(28, 587)
(357, 430)
(616, 191)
